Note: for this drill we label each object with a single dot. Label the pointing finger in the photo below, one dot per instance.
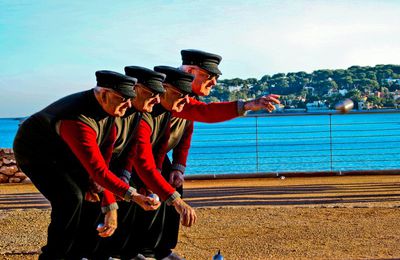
(274, 100)
(274, 95)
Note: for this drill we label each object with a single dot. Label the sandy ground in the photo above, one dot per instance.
(343, 217)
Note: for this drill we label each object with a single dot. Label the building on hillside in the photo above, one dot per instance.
(343, 91)
(316, 106)
(378, 94)
(364, 105)
(391, 81)
(396, 94)
(337, 91)
(279, 108)
(235, 88)
(308, 89)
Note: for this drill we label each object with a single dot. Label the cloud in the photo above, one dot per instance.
(60, 45)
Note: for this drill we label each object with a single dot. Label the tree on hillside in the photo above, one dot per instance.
(321, 75)
(354, 95)
(323, 86)
(333, 100)
(280, 86)
(359, 81)
(278, 75)
(375, 100)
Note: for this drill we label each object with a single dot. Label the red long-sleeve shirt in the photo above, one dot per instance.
(82, 141)
(145, 165)
(107, 150)
(208, 112)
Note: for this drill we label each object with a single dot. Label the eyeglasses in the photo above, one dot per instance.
(179, 93)
(123, 99)
(150, 93)
(212, 75)
(209, 75)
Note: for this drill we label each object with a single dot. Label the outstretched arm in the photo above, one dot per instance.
(222, 111)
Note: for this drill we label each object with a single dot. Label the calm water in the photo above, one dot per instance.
(297, 144)
(8, 129)
(286, 143)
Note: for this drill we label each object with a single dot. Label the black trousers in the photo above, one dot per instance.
(88, 241)
(154, 233)
(65, 190)
(116, 245)
(170, 232)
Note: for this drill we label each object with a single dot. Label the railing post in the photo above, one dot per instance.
(257, 163)
(330, 140)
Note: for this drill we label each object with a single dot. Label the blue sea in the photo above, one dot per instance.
(286, 143)
(297, 143)
(8, 129)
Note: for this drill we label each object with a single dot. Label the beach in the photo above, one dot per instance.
(342, 217)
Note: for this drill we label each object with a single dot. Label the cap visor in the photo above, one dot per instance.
(128, 93)
(212, 68)
(158, 88)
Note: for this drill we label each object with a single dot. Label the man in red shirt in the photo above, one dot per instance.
(152, 132)
(60, 146)
(204, 67)
(147, 238)
(148, 88)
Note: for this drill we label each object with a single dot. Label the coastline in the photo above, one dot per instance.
(298, 111)
(323, 112)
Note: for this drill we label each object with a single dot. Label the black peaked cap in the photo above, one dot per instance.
(177, 78)
(119, 82)
(151, 79)
(205, 60)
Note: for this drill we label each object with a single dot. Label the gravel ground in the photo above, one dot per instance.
(297, 218)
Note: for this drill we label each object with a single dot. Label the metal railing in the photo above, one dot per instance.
(297, 143)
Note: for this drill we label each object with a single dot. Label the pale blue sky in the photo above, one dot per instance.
(49, 49)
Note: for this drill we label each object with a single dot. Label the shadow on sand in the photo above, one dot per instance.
(290, 195)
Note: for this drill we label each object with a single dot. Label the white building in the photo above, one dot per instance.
(343, 91)
(316, 106)
(235, 88)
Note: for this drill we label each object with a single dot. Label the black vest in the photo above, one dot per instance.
(178, 128)
(126, 127)
(38, 141)
(158, 121)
